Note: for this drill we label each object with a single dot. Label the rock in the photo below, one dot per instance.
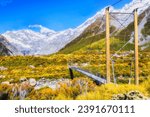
(132, 95)
(119, 97)
(31, 66)
(2, 76)
(23, 94)
(32, 82)
(84, 64)
(15, 91)
(20, 90)
(54, 84)
(23, 79)
(43, 79)
(2, 68)
(6, 82)
(11, 80)
(135, 95)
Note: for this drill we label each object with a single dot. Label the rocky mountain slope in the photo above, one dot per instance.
(124, 30)
(6, 48)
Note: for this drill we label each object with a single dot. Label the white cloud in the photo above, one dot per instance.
(42, 28)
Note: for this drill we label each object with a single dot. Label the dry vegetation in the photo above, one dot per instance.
(91, 58)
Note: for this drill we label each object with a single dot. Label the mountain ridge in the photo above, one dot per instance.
(93, 33)
(47, 41)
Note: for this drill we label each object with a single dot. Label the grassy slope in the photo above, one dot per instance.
(79, 43)
(90, 35)
(55, 66)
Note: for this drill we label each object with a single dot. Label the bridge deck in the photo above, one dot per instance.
(94, 77)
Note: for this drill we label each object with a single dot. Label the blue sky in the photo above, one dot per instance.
(54, 14)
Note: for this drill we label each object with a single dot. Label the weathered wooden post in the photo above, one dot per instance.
(136, 47)
(107, 45)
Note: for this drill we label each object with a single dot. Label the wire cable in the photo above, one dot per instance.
(114, 4)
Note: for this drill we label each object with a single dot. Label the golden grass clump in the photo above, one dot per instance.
(106, 92)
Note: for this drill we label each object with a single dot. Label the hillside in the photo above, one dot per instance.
(56, 66)
(4, 50)
(51, 71)
(40, 75)
(96, 31)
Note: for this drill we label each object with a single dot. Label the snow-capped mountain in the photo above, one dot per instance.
(46, 41)
(141, 5)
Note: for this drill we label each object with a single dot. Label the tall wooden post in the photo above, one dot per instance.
(107, 45)
(71, 73)
(136, 47)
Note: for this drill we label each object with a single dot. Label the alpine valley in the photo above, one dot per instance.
(34, 61)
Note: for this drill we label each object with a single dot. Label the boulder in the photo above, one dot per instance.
(2, 68)
(31, 66)
(2, 76)
(51, 83)
(6, 83)
(132, 95)
(32, 82)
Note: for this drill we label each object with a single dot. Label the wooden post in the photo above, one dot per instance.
(136, 47)
(107, 45)
(71, 73)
